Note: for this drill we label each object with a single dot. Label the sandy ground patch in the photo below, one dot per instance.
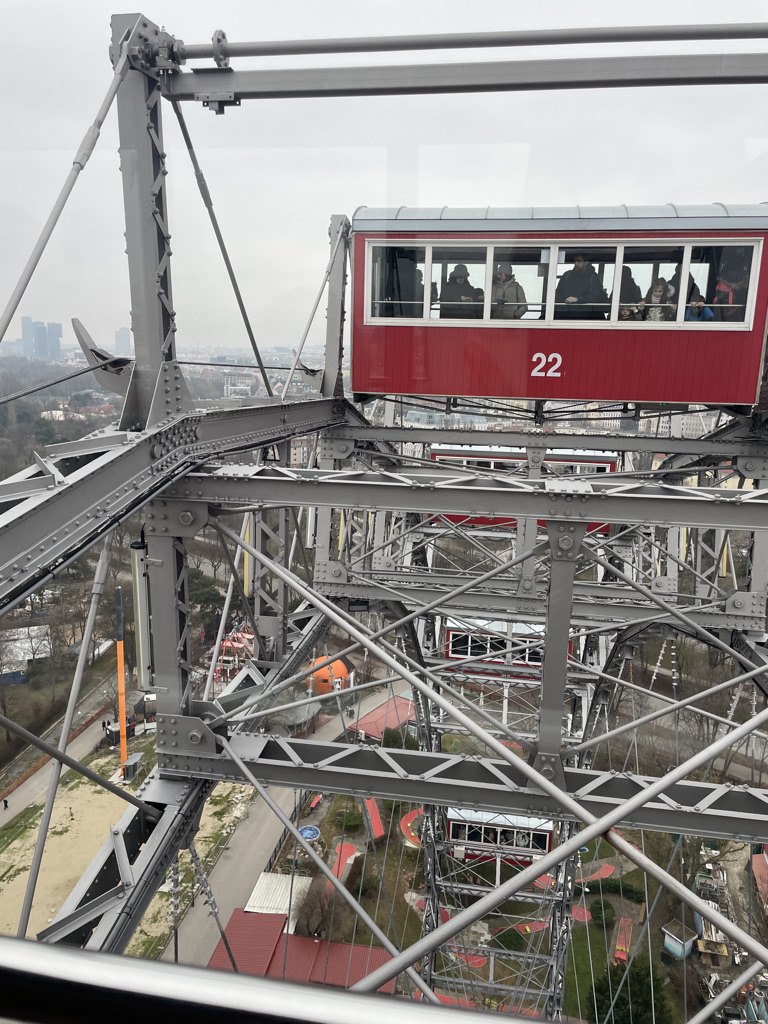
(82, 817)
(80, 824)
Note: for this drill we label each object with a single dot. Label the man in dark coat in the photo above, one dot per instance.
(579, 294)
(458, 299)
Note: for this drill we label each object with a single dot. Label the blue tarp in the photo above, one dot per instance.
(12, 678)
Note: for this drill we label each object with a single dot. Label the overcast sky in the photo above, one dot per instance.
(278, 169)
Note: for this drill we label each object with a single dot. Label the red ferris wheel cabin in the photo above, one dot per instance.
(631, 304)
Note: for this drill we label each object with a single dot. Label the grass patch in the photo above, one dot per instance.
(24, 820)
(11, 873)
(588, 954)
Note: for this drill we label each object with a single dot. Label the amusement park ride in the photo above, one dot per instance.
(579, 546)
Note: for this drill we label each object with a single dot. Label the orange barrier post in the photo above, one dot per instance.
(121, 677)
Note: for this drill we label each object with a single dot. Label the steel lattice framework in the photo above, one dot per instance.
(387, 575)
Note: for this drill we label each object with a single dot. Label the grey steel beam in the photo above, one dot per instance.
(154, 391)
(208, 203)
(169, 612)
(593, 827)
(565, 541)
(84, 919)
(223, 85)
(462, 493)
(333, 383)
(470, 40)
(692, 808)
(110, 475)
(593, 603)
(555, 441)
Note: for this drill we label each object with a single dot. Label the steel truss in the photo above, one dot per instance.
(385, 550)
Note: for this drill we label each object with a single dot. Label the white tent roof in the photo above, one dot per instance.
(272, 895)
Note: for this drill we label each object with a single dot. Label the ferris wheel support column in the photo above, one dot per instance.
(565, 540)
(152, 393)
(333, 383)
(169, 609)
(526, 529)
(757, 569)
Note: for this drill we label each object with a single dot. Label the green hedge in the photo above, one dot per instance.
(603, 912)
(511, 939)
(349, 820)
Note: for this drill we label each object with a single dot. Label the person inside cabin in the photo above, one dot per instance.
(580, 294)
(657, 305)
(458, 299)
(629, 313)
(730, 299)
(630, 292)
(507, 298)
(673, 287)
(415, 308)
(699, 313)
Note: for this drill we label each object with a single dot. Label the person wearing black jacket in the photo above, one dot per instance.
(458, 299)
(579, 294)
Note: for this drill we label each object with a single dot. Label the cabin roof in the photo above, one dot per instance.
(475, 817)
(667, 217)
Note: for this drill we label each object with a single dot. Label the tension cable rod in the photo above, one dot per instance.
(117, 361)
(208, 201)
(87, 147)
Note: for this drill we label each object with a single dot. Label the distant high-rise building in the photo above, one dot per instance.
(123, 342)
(54, 341)
(40, 336)
(27, 338)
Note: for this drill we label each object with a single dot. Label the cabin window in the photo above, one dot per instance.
(519, 283)
(533, 655)
(721, 274)
(478, 646)
(584, 283)
(643, 282)
(458, 831)
(474, 834)
(459, 645)
(647, 268)
(458, 283)
(397, 281)
(539, 840)
(497, 646)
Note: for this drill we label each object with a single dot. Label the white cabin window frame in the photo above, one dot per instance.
(549, 322)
